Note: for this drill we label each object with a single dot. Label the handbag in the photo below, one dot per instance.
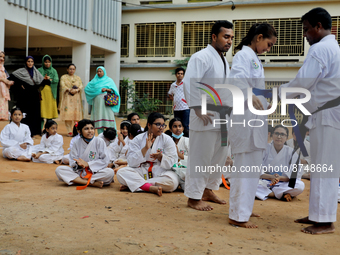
(111, 99)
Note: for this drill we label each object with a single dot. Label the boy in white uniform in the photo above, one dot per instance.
(320, 74)
(210, 67)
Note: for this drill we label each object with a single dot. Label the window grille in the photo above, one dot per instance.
(155, 40)
(124, 43)
(290, 40)
(336, 28)
(195, 36)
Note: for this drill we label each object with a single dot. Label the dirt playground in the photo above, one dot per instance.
(41, 215)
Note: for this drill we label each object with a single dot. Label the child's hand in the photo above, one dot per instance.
(274, 181)
(120, 138)
(158, 155)
(229, 162)
(180, 155)
(23, 146)
(36, 156)
(82, 163)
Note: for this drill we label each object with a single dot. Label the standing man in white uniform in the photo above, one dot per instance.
(320, 74)
(210, 67)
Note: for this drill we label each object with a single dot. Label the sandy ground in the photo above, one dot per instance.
(41, 215)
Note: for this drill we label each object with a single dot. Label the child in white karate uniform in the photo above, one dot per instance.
(50, 150)
(277, 156)
(179, 136)
(88, 160)
(16, 138)
(117, 145)
(75, 136)
(150, 158)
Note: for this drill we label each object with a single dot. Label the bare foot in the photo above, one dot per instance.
(255, 215)
(58, 162)
(110, 165)
(319, 228)
(199, 205)
(288, 197)
(247, 224)
(304, 220)
(98, 184)
(209, 195)
(124, 188)
(156, 190)
(23, 158)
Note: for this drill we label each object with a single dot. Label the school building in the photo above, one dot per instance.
(83, 32)
(156, 33)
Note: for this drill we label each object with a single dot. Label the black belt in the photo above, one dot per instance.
(223, 111)
(303, 130)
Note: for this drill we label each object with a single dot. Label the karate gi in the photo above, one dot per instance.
(271, 159)
(136, 175)
(11, 137)
(208, 67)
(107, 142)
(320, 74)
(53, 145)
(183, 147)
(247, 143)
(95, 154)
(290, 143)
(66, 158)
(114, 149)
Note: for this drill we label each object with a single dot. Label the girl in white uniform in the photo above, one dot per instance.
(75, 136)
(247, 143)
(16, 138)
(88, 160)
(178, 134)
(117, 145)
(150, 158)
(50, 150)
(278, 161)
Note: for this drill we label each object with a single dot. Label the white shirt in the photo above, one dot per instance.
(180, 104)
(205, 66)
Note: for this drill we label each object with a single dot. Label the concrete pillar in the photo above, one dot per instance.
(2, 30)
(81, 57)
(112, 66)
(178, 46)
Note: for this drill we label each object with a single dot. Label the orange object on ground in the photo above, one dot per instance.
(225, 183)
(88, 176)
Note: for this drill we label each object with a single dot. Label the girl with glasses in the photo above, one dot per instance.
(278, 163)
(150, 158)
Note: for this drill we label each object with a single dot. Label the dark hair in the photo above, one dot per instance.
(171, 123)
(48, 124)
(13, 110)
(152, 117)
(265, 29)
(179, 69)
(270, 129)
(135, 129)
(318, 15)
(1, 51)
(74, 131)
(125, 123)
(216, 28)
(47, 58)
(110, 133)
(129, 117)
(83, 123)
(280, 126)
(71, 65)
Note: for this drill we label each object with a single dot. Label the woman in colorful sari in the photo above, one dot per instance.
(4, 88)
(48, 101)
(102, 115)
(70, 105)
(28, 82)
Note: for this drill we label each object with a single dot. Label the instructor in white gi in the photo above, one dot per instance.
(207, 66)
(320, 74)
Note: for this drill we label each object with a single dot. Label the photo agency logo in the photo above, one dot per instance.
(238, 105)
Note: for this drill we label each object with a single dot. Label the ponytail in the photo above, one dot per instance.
(265, 29)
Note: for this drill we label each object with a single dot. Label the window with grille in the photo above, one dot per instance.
(195, 36)
(277, 113)
(290, 40)
(158, 90)
(155, 40)
(336, 28)
(124, 41)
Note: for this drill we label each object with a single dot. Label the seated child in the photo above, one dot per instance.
(150, 158)
(118, 144)
(75, 136)
(275, 181)
(50, 150)
(88, 160)
(16, 138)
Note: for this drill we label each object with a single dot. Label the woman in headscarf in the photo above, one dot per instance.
(48, 101)
(70, 105)
(28, 83)
(4, 88)
(102, 115)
